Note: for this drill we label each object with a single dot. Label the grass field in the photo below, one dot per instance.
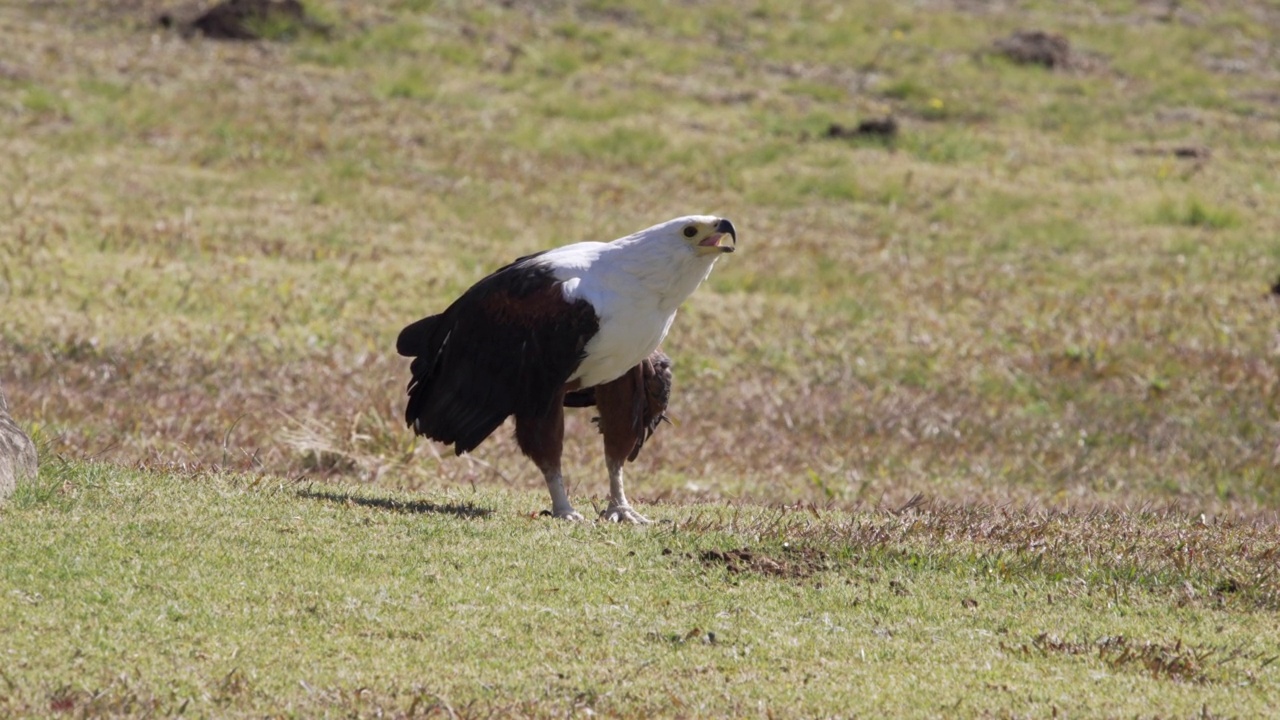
(983, 418)
(151, 594)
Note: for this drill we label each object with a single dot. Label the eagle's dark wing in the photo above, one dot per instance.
(508, 345)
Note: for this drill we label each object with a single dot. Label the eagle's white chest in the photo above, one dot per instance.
(628, 333)
(635, 299)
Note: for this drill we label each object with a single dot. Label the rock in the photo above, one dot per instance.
(17, 453)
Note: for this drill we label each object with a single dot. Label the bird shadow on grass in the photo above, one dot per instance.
(416, 507)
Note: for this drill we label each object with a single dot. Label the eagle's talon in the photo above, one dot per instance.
(624, 513)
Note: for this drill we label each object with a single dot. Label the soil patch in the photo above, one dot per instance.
(881, 128)
(1035, 47)
(1172, 661)
(248, 20)
(1185, 152)
(792, 563)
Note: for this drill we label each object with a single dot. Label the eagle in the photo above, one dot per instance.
(576, 326)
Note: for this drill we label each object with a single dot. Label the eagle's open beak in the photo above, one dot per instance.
(724, 227)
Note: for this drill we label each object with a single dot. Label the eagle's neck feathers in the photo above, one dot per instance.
(667, 268)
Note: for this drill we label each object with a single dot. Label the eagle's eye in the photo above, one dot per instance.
(690, 231)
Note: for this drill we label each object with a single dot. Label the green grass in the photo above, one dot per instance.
(1033, 299)
(1194, 213)
(147, 593)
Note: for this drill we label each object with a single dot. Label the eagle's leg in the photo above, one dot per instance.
(542, 439)
(621, 406)
(560, 506)
(619, 509)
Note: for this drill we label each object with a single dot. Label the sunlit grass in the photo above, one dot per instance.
(164, 593)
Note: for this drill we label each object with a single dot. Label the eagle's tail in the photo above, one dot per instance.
(415, 339)
(450, 402)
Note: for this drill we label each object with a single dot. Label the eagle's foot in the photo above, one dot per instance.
(624, 513)
(569, 514)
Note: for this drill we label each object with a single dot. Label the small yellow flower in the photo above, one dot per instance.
(897, 35)
(935, 103)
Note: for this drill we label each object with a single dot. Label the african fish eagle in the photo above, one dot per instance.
(575, 326)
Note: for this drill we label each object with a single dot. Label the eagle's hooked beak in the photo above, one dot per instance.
(724, 227)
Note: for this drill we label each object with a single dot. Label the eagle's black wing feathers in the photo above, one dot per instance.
(506, 346)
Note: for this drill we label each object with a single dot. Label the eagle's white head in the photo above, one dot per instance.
(670, 259)
(704, 234)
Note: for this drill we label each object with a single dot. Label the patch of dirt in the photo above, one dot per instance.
(883, 128)
(245, 19)
(1184, 152)
(1036, 47)
(793, 563)
(1196, 664)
